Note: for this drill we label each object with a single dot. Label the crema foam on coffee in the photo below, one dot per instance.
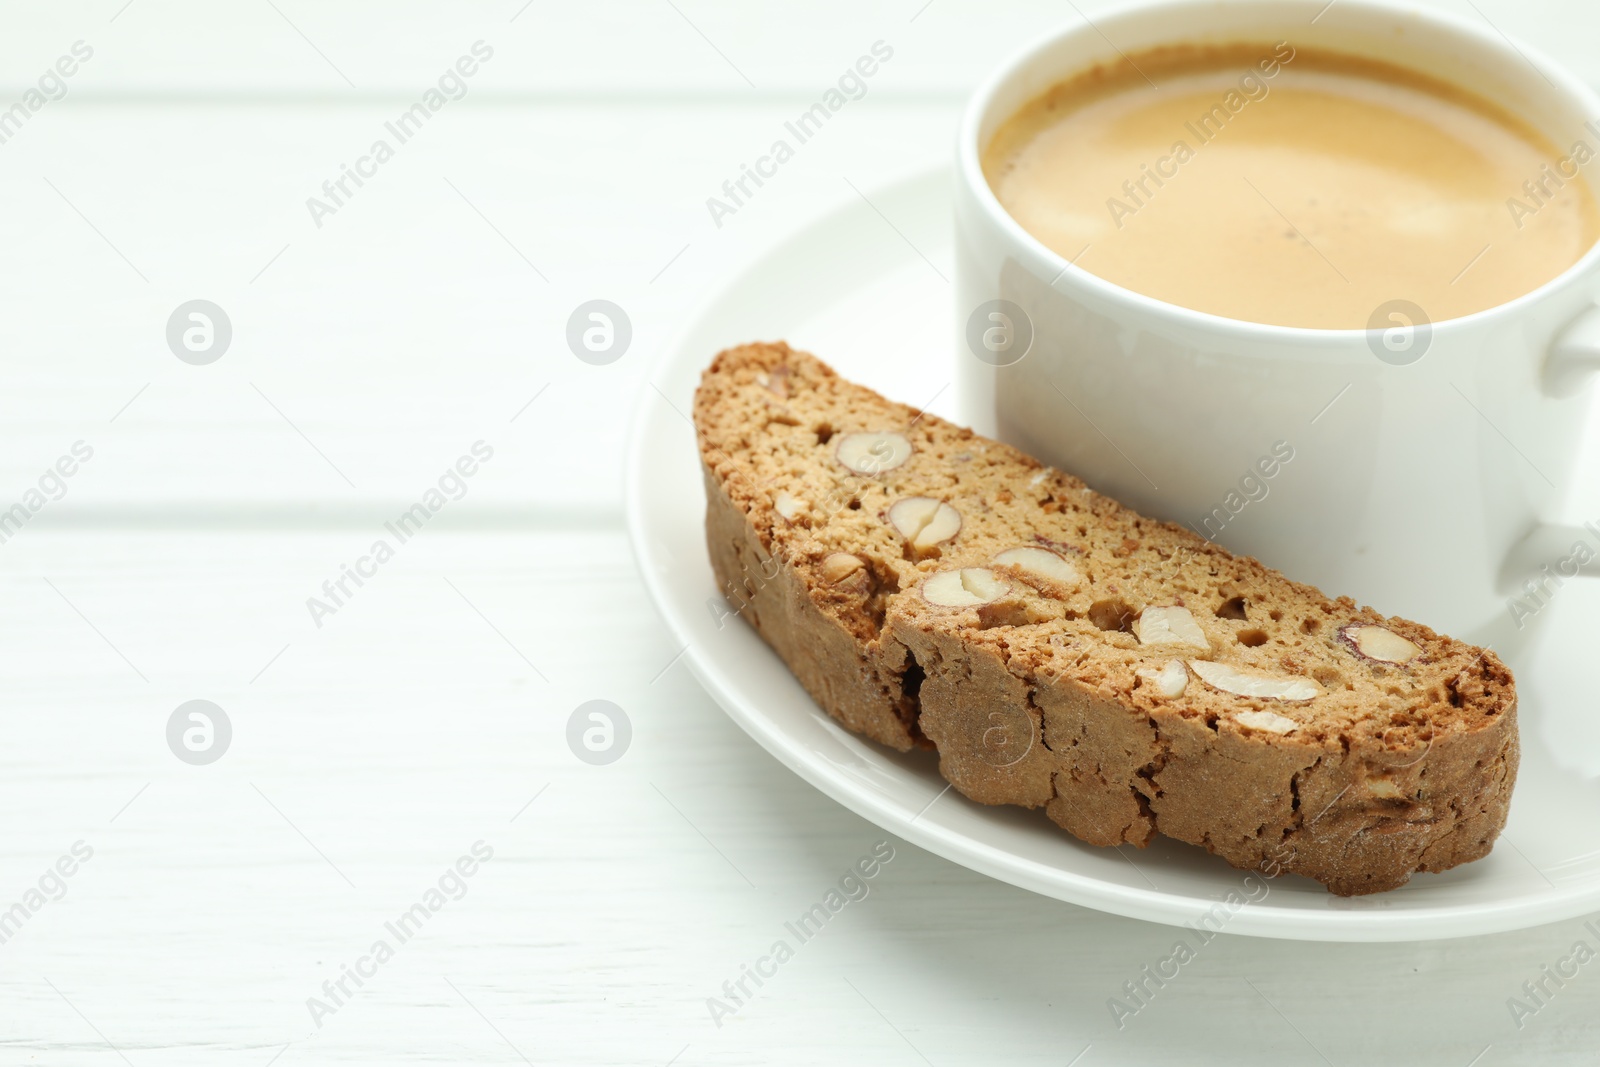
(1293, 187)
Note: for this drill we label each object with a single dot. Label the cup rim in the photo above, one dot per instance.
(970, 173)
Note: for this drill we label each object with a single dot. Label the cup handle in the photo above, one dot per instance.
(1574, 356)
(1550, 552)
(1549, 555)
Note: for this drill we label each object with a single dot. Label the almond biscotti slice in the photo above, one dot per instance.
(931, 587)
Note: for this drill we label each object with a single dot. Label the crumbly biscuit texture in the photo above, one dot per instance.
(933, 588)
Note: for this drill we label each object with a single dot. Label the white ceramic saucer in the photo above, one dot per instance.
(864, 287)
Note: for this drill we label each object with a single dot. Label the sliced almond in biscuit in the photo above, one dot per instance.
(788, 505)
(965, 588)
(1270, 721)
(1170, 625)
(1379, 643)
(874, 452)
(924, 522)
(1040, 565)
(1170, 679)
(1241, 681)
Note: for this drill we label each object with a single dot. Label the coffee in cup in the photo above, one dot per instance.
(1291, 186)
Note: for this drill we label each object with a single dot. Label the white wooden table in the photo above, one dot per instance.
(429, 712)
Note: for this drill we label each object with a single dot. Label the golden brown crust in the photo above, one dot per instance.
(1040, 691)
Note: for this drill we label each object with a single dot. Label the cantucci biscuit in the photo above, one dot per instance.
(930, 587)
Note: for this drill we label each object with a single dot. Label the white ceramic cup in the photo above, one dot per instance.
(1421, 486)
